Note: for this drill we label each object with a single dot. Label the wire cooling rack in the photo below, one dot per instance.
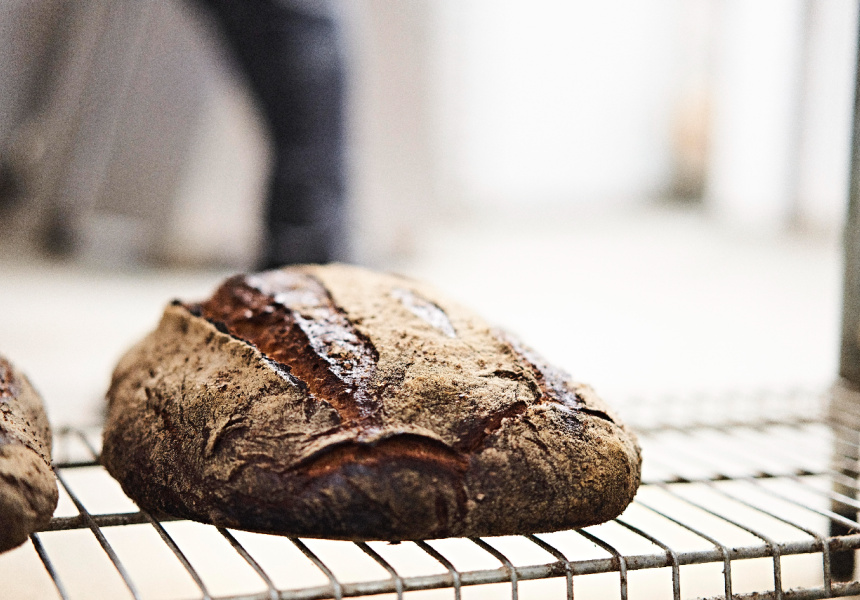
(743, 496)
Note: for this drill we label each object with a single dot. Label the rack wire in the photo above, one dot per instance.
(740, 496)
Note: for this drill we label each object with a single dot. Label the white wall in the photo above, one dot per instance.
(547, 103)
(557, 102)
(472, 106)
(756, 95)
(394, 174)
(826, 113)
(782, 94)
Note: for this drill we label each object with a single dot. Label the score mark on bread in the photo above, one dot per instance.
(336, 402)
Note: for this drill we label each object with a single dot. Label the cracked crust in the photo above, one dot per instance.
(340, 403)
(28, 489)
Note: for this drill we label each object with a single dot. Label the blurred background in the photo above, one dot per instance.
(650, 193)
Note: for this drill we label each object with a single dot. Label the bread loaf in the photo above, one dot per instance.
(336, 402)
(28, 488)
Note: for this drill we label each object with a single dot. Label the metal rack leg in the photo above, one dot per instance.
(848, 388)
(845, 460)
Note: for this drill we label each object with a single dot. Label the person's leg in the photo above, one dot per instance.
(290, 54)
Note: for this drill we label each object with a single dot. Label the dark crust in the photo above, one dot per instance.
(28, 491)
(476, 433)
(22, 416)
(424, 309)
(314, 342)
(553, 383)
(401, 488)
(9, 387)
(413, 447)
(293, 321)
(316, 401)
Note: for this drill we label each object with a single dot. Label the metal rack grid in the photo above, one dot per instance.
(740, 494)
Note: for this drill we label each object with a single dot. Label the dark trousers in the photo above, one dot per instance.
(290, 54)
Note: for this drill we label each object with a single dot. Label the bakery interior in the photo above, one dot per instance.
(653, 194)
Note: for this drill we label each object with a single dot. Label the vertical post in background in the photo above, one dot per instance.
(847, 393)
(849, 366)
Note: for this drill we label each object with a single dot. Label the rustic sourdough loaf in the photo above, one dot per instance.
(28, 489)
(332, 401)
